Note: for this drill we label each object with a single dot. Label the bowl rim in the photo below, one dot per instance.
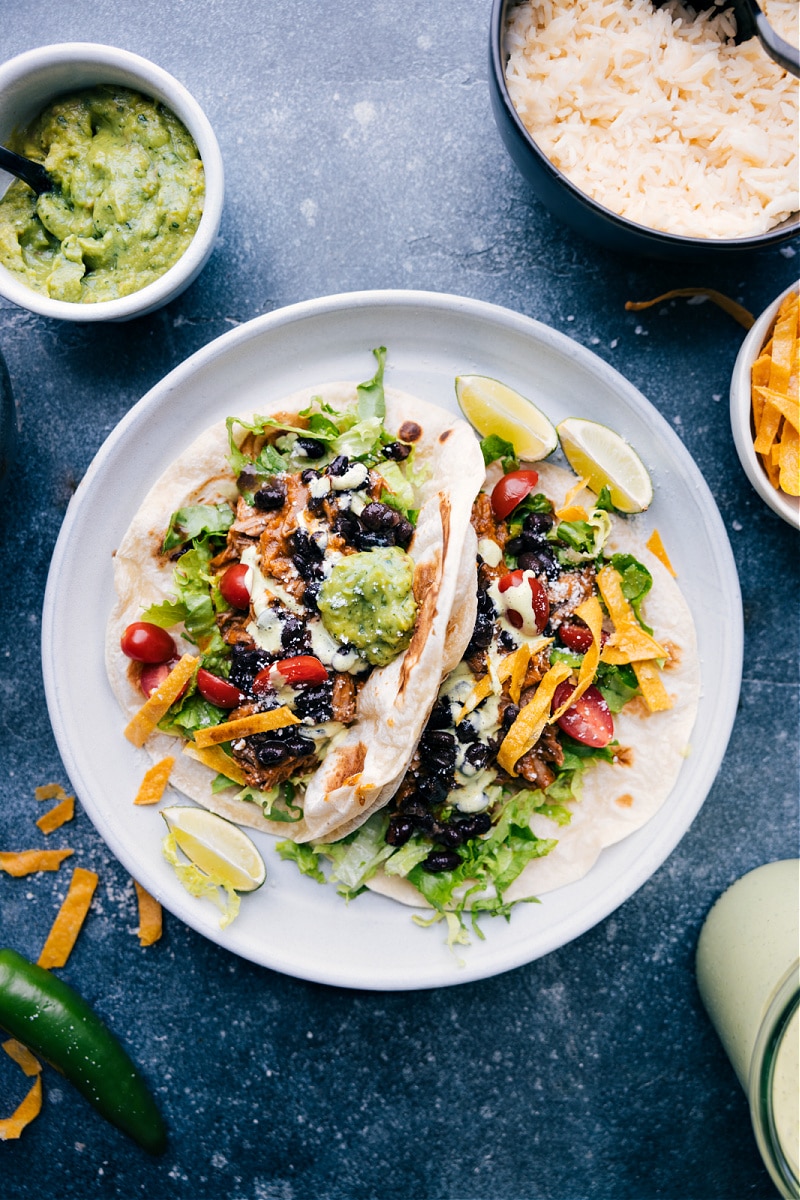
(159, 84)
(787, 507)
(624, 224)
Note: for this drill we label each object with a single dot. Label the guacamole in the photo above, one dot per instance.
(368, 602)
(128, 198)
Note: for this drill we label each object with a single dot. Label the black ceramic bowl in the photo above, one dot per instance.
(571, 205)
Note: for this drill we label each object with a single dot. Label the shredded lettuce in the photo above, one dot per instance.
(636, 582)
(305, 857)
(199, 883)
(371, 398)
(196, 522)
(494, 447)
(584, 539)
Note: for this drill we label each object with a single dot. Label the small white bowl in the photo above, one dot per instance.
(27, 85)
(785, 506)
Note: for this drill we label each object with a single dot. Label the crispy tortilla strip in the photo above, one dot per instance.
(590, 612)
(527, 729)
(656, 546)
(146, 719)
(740, 314)
(49, 791)
(629, 643)
(760, 368)
(54, 818)
(512, 667)
(150, 916)
(228, 731)
(69, 920)
(788, 406)
(216, 758)
(655, 694)
(29, 862)
(790, 463)
(570, 511)
(12, 1127)
(23, 1057)
(151, 789)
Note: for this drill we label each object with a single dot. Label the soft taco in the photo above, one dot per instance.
(562, 729)
(306, 568)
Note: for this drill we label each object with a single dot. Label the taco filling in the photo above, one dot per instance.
(559, 648)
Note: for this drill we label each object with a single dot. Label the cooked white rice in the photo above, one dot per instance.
(657, 115)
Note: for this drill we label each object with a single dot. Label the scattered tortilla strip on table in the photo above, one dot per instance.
(55, 817)
(12, 1127)
(527, 728)
(150, 916)
(50, 791)
(29, 862)
(262, 722)
(731, 307)
(656, 546)
(216, 758)
(146, 719)
(155, 780)
(69, 920)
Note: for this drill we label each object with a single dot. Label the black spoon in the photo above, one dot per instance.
(751, 22)
(29, 172)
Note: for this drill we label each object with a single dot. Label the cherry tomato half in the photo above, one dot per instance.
(218, 691)
(588, 720)
(539, 600)
(578, 637)
(233, 587)
(508, 491)
(147, 643)
(153, 675)
(302, 668)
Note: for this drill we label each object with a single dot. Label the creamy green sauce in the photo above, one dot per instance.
(129, 197)
(367, 601)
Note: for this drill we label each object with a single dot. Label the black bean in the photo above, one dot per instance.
(510, 714)
(298, 746)
(310, 593)
(308, 474)
(466, 731)
(347, 526)
(477, 755)
(246, 662)
(537, 524)
(249, 478)
(514, 546)
(440, 717)
(339, 466)
(540, 561)
(403, 533)
(449, 835)
(396, 451)
(434, 740)
(379, 517)
(302, 545)
(367, 540)
(434, 789)
(413, 806)
(310, 447)
(315, 701)
(399, 831)
(441, 860)
(271, 497)
(270, 753)
(295, 638)
(474, 825)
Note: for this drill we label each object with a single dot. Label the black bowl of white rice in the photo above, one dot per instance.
(647, 128)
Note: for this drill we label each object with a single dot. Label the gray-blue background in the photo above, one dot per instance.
(360, 152)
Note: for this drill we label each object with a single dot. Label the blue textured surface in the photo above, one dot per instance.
(361, 152)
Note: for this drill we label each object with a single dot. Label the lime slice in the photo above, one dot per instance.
(492, 407)
(216, 846)
(601, 456)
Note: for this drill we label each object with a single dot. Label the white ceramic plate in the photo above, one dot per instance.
(293, 924)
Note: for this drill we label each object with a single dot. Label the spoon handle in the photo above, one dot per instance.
(29, 172)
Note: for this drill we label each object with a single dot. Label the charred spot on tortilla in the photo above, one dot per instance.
(625, 800)
(674, 653)
(349, 765)
(445, 434)
(426, 586)
(409, 431)
(624, 756)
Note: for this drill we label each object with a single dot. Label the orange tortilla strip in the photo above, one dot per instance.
(527, 728)
(151, 789)
(50, 791)
(740, 314)
(513, 666)
(69, 920)
(12, 1127)
(28, 862)
(790, 463)
(228, 731)
(570, 511)
(54, 818)
(788, 406)
(22, 1057)
(590, 612)
(146, 719)
(655, 694)
(217, 760)
(629, 642)
(150, 916)
(656, 546)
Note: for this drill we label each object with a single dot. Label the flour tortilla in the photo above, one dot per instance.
(621, 797)
(364, 768)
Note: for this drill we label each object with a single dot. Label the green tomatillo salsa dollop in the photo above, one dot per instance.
(128, 198)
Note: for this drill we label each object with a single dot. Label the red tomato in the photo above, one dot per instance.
(153, 675)
(539, 600)
(302, 668)
(218, 691)
(578, 637)
(508, 491)
(233, 587)
(147, 643)
(588, 720)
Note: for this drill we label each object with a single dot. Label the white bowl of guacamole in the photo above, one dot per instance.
(136, 209)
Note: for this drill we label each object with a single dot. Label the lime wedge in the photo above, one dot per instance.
(492, 407)
(602, 457)
(218, 847)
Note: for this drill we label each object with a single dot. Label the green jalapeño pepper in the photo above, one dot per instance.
(53, 1021)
